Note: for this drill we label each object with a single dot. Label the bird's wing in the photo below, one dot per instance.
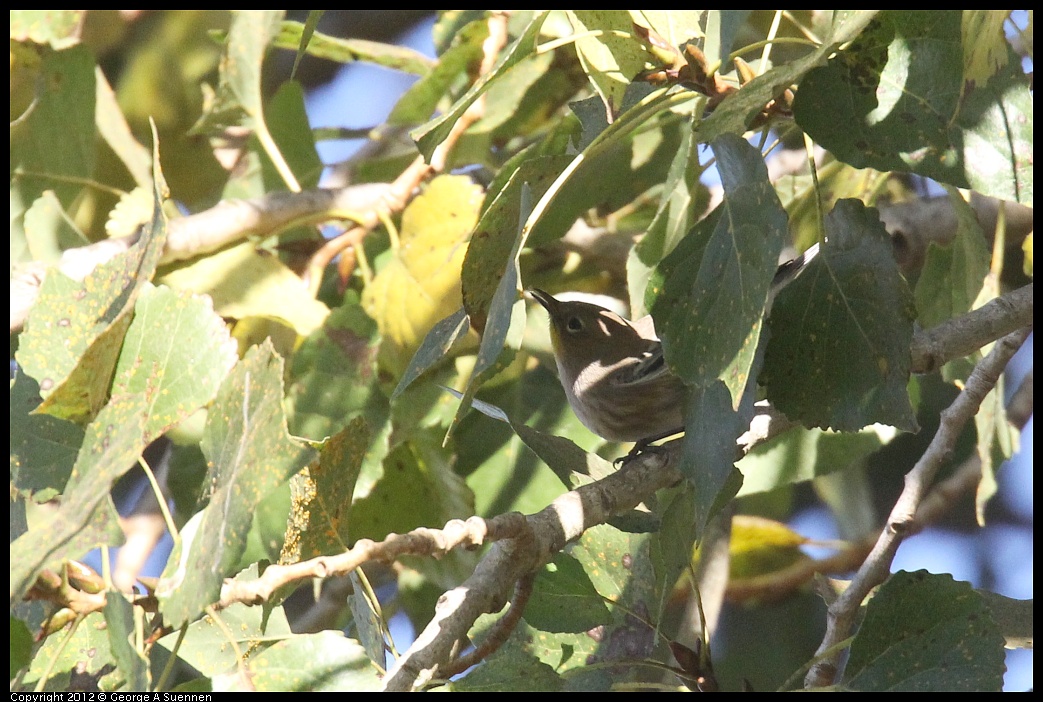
(649, 368)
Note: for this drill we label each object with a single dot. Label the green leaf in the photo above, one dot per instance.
(43, 448)
(206, 647)
(997, 441)
(955, 279)
(420, 100)
(564, 599)
(573, 465)
(75, 330)
(709, 294)
(674, 26)
(249, 454)
(512, 668)
(307, 31)
(59, 28)
(244, 282)
(20, 643)
(295, 36)
(72, 340)
(434, 132)
(570, 463)
(322, 662)
(238, 97)
(503, 475)
(674, 543)
(804, 454)
(1014, 618)
(736, 112)
(49, 229)
(898, 99)
(520, 107)
(953, 274)
(111, 446)
(618, 567)
(119, 622)
(505, 325)
(708, 451)
(683, 199)
(420, 468)
(369, 622)
(838, 357)
(608, 52)
(985, 48)
(322, 493)
(496, 234)
(722, 27)
(620, 164)
(175, 354)
(335, 378)
(287, 120)
(926, 633)
(83, 655)
(177, 351)
(62, 113)
(114, 130)
(434, 348)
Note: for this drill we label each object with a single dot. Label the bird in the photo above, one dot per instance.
(613, 370)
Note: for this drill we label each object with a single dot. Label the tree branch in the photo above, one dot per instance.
(547, 532)
(903, 519)
(963, 335)
(225, 223)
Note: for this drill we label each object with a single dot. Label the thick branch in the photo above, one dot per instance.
(488, 588)
(963, 335)
(223, 224)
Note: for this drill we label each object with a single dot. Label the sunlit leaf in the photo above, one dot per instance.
(62, 113)
(434, 132)
(59, 28)
(609, 52)
(324, 46)
(898, 99)
(420, 285)
(238, 93)
(323, 662)
(319, 523)
(206, 647)
(245, 282)
(75, 330)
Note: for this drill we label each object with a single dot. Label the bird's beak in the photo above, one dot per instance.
(545, 299)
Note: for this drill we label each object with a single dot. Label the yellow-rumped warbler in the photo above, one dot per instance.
(613, 370)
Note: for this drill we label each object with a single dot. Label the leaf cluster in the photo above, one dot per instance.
(180, 281)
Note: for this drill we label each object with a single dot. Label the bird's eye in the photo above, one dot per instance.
(575, 324)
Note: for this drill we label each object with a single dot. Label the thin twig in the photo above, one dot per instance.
(500, 632)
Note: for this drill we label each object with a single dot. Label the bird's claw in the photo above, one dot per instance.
(641, 447)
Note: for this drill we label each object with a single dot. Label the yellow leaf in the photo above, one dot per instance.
(421, 284)
(244, 282)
